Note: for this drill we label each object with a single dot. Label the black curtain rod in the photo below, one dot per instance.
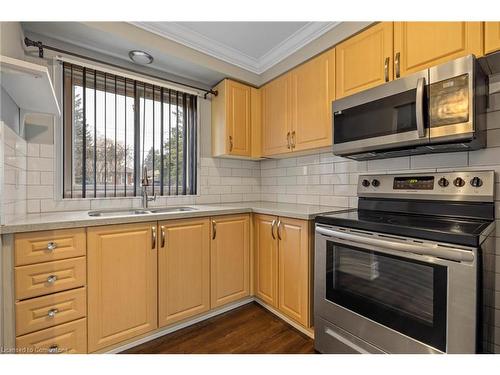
(31, 43)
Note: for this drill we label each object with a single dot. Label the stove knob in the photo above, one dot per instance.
(476, 182)
(375, 182)
(365, 183)
(459, 182)
(443, 182)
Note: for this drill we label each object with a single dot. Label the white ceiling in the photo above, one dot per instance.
(254, 46)
(80, 35)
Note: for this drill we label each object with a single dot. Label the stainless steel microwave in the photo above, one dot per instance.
(435, 110)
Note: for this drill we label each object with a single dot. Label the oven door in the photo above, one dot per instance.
(394, 294)
(389, 116)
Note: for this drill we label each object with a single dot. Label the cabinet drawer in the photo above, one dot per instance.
(48, 311)
(40, 279)
(50, 245)
(64, 338)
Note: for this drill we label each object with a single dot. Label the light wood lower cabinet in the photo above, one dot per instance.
(183, 269)
(293, 269)
(283, 258)
(122, 283)
(68, 338)
(229, 259)
(266, 259)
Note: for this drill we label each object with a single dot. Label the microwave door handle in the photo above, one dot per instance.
(420, 107)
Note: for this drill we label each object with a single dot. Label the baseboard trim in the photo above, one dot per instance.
(298, 327)
(165, 331)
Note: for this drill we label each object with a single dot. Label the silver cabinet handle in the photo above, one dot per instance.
(162, 236)
(52, 313)
(419, 107)
(214, 229)
(272, 229)
(51, 279)
(288, 144)
(53, 349)
(397, 64)
(51, 245)
(386, 69)
(153, 237)
(279, 229)
(293, 140)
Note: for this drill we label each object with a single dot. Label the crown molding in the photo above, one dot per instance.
(199, 42)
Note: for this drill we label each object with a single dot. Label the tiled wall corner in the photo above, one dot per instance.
(14, 174)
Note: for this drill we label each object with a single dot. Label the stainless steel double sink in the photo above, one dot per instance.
(148, 211)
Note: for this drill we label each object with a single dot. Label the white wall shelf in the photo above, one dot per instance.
(29, 85)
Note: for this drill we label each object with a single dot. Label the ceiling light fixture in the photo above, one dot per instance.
(140, 57)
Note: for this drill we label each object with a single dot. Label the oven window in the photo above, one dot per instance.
(391, 115)
(403, 294)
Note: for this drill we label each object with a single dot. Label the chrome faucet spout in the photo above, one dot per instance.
(145, 184)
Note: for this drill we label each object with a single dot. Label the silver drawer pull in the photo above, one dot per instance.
(52, 313)
(51, 246)
(52, 279)
(53, 349)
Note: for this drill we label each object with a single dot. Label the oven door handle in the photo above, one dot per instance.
(456, 255)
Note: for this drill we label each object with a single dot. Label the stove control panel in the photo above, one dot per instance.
(464, 186)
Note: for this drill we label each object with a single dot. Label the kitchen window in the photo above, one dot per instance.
(116, 127)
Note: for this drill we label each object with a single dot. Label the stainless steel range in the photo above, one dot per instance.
(402, 273)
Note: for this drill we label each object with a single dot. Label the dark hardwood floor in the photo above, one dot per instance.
(245, 330)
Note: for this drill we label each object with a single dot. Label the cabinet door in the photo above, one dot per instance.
(491, 37)
(229, 259)
(183, 269)
(313, 89)
(122, 288)
(363, 61)
(276, 121)
(419, 45)
(293, 260)
(266, 258)
(238, 118)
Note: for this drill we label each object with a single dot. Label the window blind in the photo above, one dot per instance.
(115, 126)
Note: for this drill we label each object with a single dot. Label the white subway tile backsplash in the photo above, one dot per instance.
(40, 164)
(46, 151)
(486, 156)
(388, 164)
(453, 159)
(33, 149)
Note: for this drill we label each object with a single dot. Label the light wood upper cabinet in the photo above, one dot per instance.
(313, 89)
(235, 120)
(364, 60)
(229, 259)
(122, 284)
(491, 37)
(183, 269)
(276, 116)
(294, 269)
(420, 45)
(266, 259)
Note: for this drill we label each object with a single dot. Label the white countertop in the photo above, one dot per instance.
(74, 219)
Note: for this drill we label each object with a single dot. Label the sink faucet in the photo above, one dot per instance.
(145, 184)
